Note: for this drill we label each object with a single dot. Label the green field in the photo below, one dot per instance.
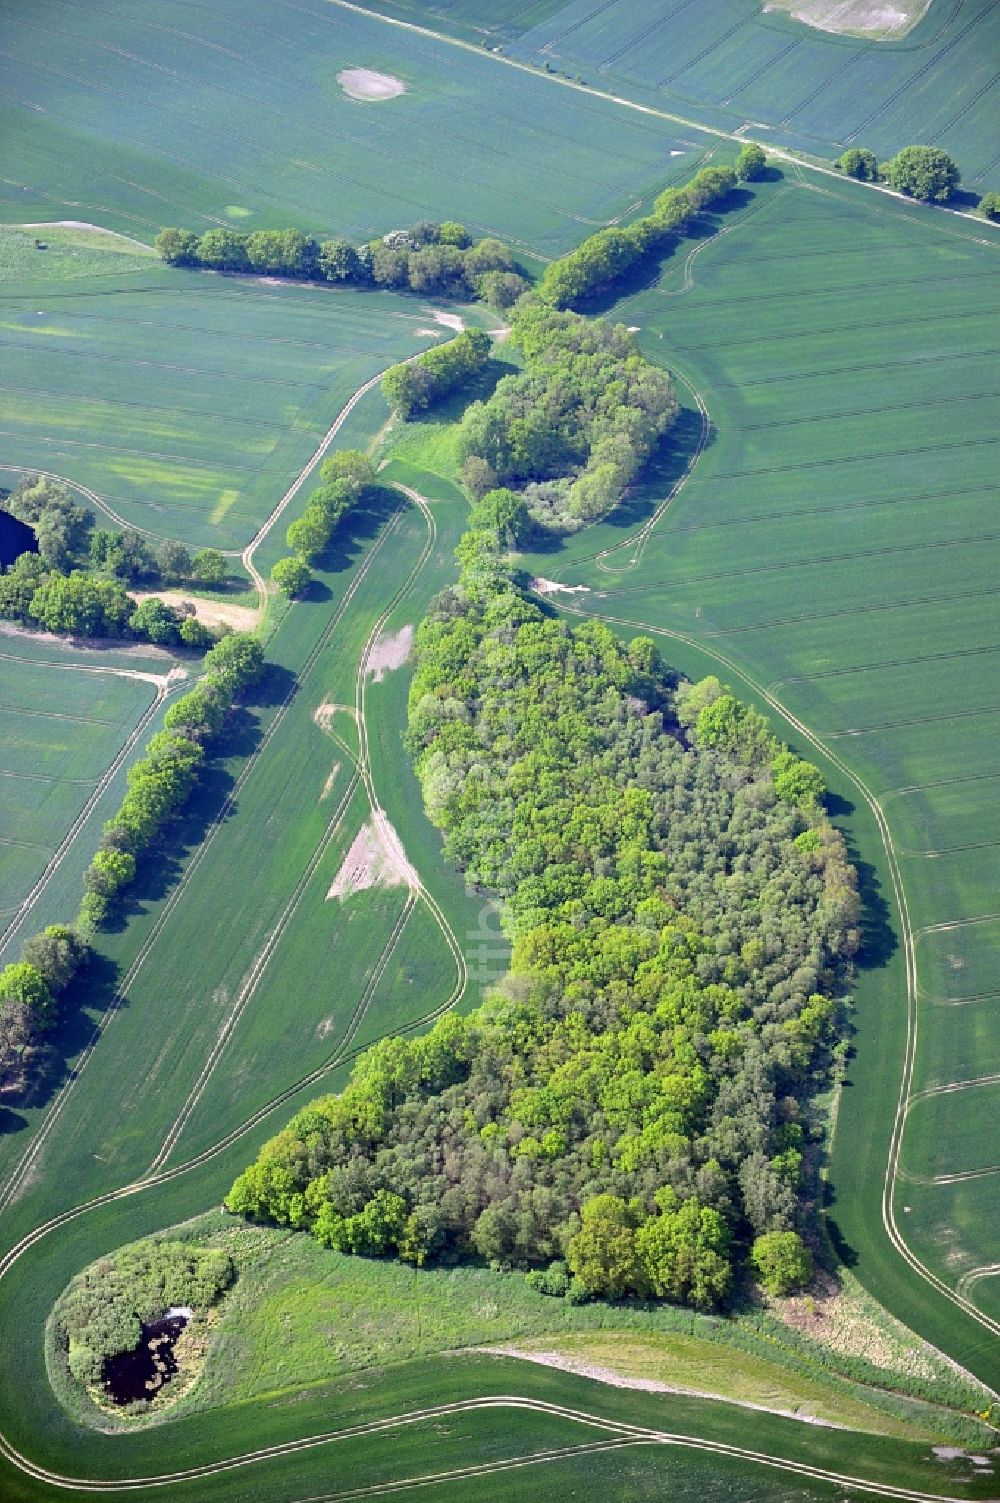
(70, 720)
(833, 555)
(836, 544)
(737, 65)
(200, 115)
(187, 402)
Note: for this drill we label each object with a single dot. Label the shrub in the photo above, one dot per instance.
(859, 163)
(750, 163)
(782, 1262)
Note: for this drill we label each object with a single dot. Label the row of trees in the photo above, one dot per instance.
(572, 429)
(417, 384)
(428, 258)
(633, 1104)
(604, 257)
(345, 477)
(66, 538)
(923, 172)
(30, 989)
(160, 781)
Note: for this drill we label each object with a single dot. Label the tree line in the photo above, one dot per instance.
(607, 255)
(76, 581)
(346, 476)
(157, 785)
(634, 1105)
(926, 173)
(428, 258)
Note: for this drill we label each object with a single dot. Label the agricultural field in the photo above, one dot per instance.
(70, 721)
(835, 547)
(819, 531)
(738, 65)
(231, 113)
(185, 402)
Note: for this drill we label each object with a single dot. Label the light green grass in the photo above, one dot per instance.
(300, 1315)
(69, 253)
(197, 116)
(187, 402)
(60, 730)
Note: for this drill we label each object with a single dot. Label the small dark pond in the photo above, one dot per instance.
(142, 1373)
(15, 538)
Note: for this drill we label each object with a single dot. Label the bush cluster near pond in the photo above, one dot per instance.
(103, 1310)
(636, 1097)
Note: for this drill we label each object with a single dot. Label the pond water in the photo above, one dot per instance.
(142, 1373)
(15, 538)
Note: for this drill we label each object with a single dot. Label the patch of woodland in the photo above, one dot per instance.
(635, 1103)
(77, 581)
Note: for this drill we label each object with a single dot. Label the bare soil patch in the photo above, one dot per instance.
(376, 859)
(388, 652)
(365, 83)
(210, 612)
(328, 785)
(450, 320)
(553, 587)
(866, 18)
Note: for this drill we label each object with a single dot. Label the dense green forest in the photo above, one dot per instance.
(634, 1104)
(575, 426)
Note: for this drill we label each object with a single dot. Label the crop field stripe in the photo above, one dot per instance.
(9, 1190)
(99, 787)
(932, 62)
(362, 773)
(622, 1431)
(892, 1165)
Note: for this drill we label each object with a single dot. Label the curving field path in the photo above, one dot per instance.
(163, 1175)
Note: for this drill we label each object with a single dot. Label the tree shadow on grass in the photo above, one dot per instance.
(649, 270)
(88, 997)
(353, 534)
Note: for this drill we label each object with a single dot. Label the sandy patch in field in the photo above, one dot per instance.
(450, 320)
(210, 612)
(388, 652)
(553, 587)
(323, 714)
(376, 859)
(427, 333)
(599, 1374)
(365, 83)
(856, 17)
(328, 785)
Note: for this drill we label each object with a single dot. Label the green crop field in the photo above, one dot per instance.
(187, 402)
(199, 115)
(833, 555)
(736, 65)
(836, 543)
(69, 721)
